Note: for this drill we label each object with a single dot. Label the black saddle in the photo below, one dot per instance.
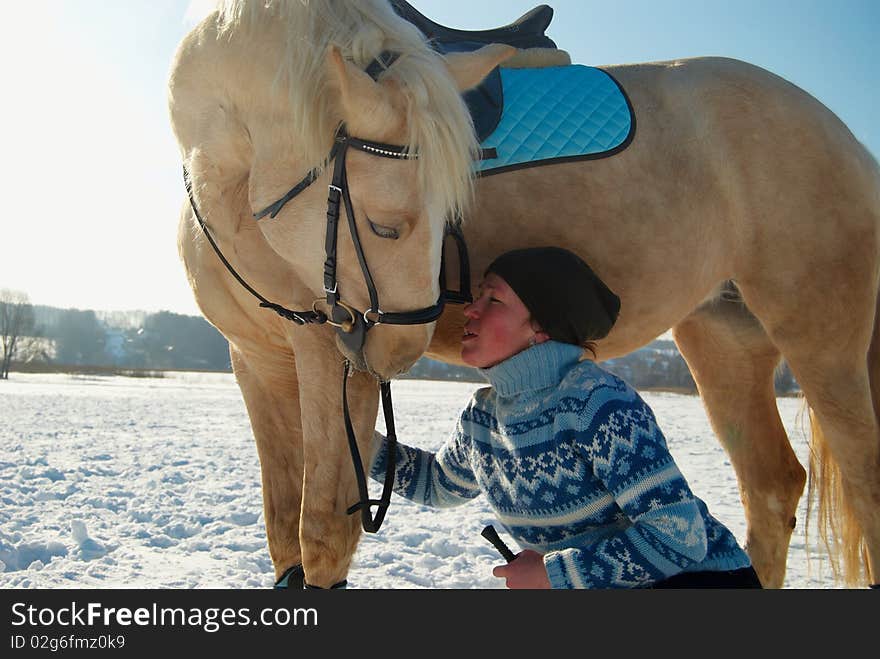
(527, 31)
(486, 100)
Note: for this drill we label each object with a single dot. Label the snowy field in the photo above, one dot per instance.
(114, 482)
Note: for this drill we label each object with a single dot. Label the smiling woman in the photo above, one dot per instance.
(570, 457)
(498, 325)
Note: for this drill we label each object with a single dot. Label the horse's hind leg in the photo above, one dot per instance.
(733, 362)
(841, 389)
(269, 387)
(825, 333)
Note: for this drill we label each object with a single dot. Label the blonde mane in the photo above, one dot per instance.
(439, 124)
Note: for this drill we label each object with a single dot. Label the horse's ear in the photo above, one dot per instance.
(361, 96)
(469, 69)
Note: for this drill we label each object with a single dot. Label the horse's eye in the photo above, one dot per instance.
(383, 231)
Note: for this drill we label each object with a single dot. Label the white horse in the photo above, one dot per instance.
(735, 175)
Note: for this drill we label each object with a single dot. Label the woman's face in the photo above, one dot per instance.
(497, 326)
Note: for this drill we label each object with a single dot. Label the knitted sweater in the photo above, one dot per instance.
(575, 467)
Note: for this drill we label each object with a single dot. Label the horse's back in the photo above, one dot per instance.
(759, 133)
(728, 90)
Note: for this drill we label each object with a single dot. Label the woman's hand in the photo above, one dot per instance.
(525, 571)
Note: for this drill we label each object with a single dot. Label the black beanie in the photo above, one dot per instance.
(564, 296)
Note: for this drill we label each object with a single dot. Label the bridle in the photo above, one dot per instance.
(351, 324)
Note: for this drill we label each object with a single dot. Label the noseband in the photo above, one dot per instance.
(351, 324)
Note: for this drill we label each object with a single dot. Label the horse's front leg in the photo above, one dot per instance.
(328, 535)
(268, 383)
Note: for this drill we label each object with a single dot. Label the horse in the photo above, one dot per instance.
(744, 216)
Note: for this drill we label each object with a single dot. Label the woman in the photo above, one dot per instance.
(569, 456)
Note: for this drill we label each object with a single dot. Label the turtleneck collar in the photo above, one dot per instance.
(537, 367)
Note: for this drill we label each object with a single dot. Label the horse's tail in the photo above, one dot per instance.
(838, 528)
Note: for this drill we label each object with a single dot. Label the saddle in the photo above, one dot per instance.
(527, 31)
(485, 101)
(526, 114)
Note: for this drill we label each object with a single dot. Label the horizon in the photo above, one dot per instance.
(95, 170)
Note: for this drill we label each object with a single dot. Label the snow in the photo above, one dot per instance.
(116, 482)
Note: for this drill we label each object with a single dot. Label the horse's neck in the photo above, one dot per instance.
(230, 114)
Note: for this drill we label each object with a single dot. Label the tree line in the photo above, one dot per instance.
(42, 336)
(49, 337)
(658, 365)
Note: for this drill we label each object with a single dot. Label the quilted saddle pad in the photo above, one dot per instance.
(556, 114)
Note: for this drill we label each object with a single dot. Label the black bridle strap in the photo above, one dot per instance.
(334, 196)
(355, 236)
(463, 294)
(298, 317)
(420, 317)
(338, 190)
(275, 207)
(341, 140)
(370, 523)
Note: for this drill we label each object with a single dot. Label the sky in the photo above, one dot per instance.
(93, 174)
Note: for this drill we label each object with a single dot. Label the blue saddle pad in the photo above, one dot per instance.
(555, 114)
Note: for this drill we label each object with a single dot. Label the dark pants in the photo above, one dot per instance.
(743, 578)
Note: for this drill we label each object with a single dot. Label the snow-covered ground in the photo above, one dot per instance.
(115, 482)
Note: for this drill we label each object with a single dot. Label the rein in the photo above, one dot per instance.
(352, 324)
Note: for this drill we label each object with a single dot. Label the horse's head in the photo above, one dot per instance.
(263, 100)
(400, 204)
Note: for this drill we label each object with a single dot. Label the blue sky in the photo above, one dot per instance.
(92, 172)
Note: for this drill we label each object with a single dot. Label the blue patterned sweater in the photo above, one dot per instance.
(575, 467)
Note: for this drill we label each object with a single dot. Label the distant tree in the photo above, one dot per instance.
(679, 373)
(171, 340)
(80, 338)
(430, 369)
(16, 325)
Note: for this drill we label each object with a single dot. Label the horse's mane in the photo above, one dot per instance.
(439, 123)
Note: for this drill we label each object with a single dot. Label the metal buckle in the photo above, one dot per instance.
(335, 286)
(335, 187)
(378, 321)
